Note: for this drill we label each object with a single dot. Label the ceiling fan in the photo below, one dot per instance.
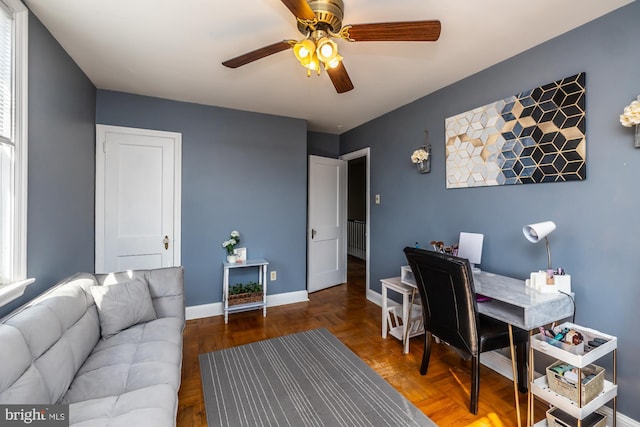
(320, 21)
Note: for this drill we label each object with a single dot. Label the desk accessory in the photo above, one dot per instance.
(470, 247)
(563, 282)
(539, 281)
(536, 232)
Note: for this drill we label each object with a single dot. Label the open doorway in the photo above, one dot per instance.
(358, 219)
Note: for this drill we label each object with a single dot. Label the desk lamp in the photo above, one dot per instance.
(535, 232)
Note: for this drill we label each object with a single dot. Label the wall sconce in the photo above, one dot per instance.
(631, 117)
(422, 156)
(536, 232)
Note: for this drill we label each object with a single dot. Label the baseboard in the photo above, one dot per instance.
(621, 420)
(374, 297)
(287, 298)
(217, 309)
(497, 362)
(203, 310)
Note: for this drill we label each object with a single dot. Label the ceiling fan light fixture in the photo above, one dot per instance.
(334, 62)
(314, 64)
(327, 49)
(311, 63)
(320, 23)
(303, 51)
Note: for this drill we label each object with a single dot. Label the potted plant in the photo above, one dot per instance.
(229, 245)
(245, 293)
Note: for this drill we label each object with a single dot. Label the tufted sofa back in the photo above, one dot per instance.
(44, 343)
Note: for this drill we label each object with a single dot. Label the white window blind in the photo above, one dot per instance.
(13, 149)
(7, 147)
(6, 75)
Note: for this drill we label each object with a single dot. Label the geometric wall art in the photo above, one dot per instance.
(532, 137)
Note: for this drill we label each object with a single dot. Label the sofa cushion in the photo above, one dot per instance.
(166, 286)
(140, 356)
(143, 407)
(123, 305)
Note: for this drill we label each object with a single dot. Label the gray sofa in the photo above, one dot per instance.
(110, 346)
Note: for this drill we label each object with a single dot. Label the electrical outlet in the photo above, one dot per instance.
(273, 276)
(377, 199)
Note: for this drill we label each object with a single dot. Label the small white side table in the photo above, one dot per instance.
(412, 324)
(262, 280)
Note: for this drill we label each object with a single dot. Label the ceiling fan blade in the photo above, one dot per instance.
(254, 55)
(418, 31)
(340, 78)
(300, 8)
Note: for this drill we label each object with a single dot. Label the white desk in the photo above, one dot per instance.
(512, 301)
(516, 304)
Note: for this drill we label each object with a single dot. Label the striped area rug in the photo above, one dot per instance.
(304, 379)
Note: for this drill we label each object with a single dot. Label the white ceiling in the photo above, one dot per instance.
(174, 48)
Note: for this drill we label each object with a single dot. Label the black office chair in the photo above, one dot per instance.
(450, 313)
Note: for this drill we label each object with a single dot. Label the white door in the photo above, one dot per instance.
(137, 198)
(327, 242)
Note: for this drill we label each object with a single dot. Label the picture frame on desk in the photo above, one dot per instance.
(241, 255)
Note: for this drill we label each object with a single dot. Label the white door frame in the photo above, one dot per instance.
(364, 152)
(101, 131)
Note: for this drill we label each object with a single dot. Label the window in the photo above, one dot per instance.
(13, 149)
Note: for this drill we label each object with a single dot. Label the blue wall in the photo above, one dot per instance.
(240, 171)
(597, 236)
(323, 144)
(61, 165)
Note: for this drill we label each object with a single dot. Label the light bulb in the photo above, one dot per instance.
(335, 61)
(303, 51)
(326, 50)
(313, 64)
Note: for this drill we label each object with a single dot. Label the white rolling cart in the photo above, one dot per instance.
(579, 410)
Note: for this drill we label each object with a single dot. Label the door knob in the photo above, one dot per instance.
(313, 233)
(166, 242)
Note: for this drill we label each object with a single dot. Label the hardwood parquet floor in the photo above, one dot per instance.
(443, 394)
